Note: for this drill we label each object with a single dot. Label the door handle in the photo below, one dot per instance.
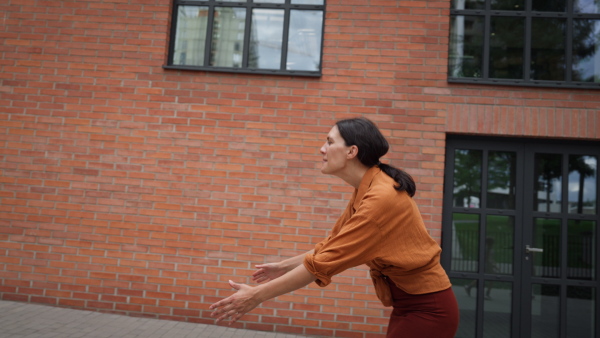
(529, 249)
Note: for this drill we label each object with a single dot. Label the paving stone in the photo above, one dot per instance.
(26, 320)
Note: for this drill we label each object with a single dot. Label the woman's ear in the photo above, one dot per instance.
(352, 152)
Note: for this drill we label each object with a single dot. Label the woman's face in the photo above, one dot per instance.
(335, 153)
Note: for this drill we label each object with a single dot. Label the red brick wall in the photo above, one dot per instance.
(131, 189)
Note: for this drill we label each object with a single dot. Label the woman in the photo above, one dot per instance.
(382, 228)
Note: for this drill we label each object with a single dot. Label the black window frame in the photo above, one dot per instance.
(249, 5)
(487, 13)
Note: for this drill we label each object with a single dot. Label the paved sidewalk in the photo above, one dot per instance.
(32, 320)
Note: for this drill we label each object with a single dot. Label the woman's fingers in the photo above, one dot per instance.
(227, 312)
(235, 306)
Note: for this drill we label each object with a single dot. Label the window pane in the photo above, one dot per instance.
(467, 304)
(545, 311)
(304, 42)
(583, 175)
(586, 6)
(497, 309)
(581, 311)
(548, 49)
(549, 5)
(508, 5)
(506, 47)
(266, 38)
(502, 177)
(465, 242)
(307, 2)
(466, 46)
(499, 244)
(586, 50)
(468, 4)
(581, 250)
(190, 37)
(467, 178)
(548, 190)
(270, 1)
(546, 233)
(228, 37)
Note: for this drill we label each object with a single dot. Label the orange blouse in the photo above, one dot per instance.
(382, 228)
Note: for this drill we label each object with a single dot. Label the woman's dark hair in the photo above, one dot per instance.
(372, 145)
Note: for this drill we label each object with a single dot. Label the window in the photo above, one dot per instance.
(553, 43)
(253, 36)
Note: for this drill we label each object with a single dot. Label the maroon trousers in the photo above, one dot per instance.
(432, 315)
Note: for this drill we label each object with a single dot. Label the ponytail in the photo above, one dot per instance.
(404, 180)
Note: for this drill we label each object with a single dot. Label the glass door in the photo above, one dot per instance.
(560, 256)
(520, 236)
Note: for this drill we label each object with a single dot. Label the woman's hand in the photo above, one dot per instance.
(268, 272)
(236, 305)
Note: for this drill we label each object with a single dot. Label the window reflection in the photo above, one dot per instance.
(468, 4)
(499, 245)
(507, 47)
(467, 304)
(581, 250)
(586, 6)
(548, 49)
(266, 39)
(581, 311)
(497, 309)
(466, 46)
(227, 37)
(304, 42)
(583, 175)
(546, 236)
(586, 50)
(548, 191)
(508, 5)
(467, 178)
(190, 37)
(502, 177)
(545, 311)
(465, 242)
(307, 2)
(549, 6)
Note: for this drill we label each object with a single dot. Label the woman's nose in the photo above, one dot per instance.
(322, 150)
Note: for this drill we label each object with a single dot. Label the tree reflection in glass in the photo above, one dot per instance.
(586, 6)
(502, 180)
(548, 191)
(586, 50)
(582, 184)
(467, 178)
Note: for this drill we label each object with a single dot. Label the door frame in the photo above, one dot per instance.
(523, 213)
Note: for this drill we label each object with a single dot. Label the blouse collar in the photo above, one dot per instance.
(365, 183)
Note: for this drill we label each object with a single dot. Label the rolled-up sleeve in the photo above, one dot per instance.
(356, 243)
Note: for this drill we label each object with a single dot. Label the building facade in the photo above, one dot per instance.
(147, 158)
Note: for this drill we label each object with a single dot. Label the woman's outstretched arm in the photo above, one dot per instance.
(269, 271)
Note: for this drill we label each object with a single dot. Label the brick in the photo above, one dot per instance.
(123, 178)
